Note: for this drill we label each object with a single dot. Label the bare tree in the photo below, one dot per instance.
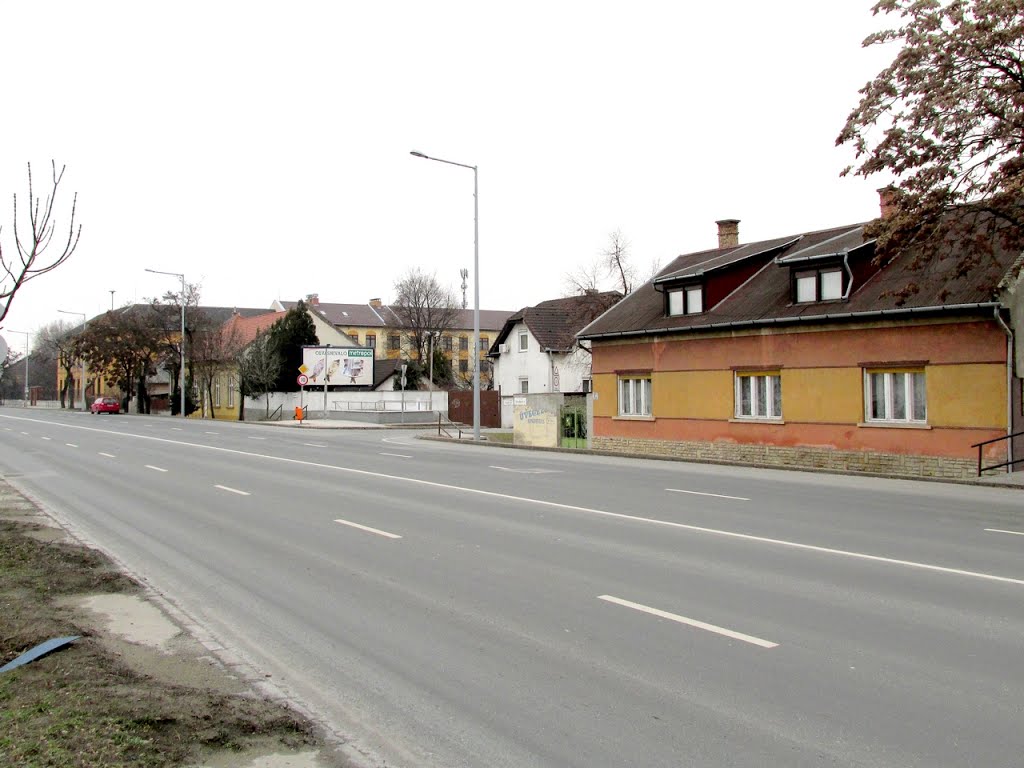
(59, 339)
(31, 259)
(259, 365)
(214, 350)
(423, 308)
(613, 269)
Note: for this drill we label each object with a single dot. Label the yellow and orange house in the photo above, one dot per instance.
(805, 351)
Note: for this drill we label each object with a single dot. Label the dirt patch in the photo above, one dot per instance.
(108, 701)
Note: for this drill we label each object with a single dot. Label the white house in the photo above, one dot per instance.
(536, 350)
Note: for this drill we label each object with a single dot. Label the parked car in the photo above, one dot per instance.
(105, 405)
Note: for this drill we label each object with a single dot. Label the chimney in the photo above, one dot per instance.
(887, 197)
(728, 233)
(375, 303)
(313, 299)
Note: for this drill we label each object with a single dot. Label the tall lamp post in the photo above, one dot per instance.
(182, 276)
(85, 405)
(476, 288)
(26, 335)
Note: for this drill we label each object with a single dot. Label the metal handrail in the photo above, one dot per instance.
(441, 430)
(276, 412)
(1009, 463)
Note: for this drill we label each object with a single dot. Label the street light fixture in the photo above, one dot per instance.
(182, 276)
(476, 288)
(26, 334)
(85, 405)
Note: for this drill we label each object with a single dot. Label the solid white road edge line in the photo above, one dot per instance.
(158, 469)
(997, 530)
(233, 490)
(553, 504)
(108, 455)
(368, 529)
(398, 455)
(690, 622)
(701, 493)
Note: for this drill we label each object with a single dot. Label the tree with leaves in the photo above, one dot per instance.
(33, 237)
(423, 308)
(290, 334)
(946, 120)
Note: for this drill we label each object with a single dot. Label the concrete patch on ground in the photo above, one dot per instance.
(272, 757)
(134, 619)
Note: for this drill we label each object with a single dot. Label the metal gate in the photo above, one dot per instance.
(573, 423)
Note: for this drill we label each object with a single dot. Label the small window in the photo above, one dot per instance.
(355, 336)
(484, 344)
(524, 341)
(371, 340)
(463, 343)
(587, 385)
(232, 385)
(896, 396)
(524, 386)
(635, 396)
(758, 396)
(463, 366)
(394, 342)
(817, 285)
(446, 343)
(686, 301)
(216, 392)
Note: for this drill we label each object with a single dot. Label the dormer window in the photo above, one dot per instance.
(688, 300)
(825, 284)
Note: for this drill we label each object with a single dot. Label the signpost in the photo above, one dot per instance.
(302, 380)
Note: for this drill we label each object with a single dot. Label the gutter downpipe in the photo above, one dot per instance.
(1009, 385)
(849, 274)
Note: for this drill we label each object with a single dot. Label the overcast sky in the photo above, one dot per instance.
(263, 148)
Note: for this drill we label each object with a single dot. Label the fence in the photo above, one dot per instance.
(341, 403)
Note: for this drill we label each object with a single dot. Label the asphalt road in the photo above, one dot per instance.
(450, 605)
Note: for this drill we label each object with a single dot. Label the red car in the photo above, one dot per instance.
(105, 405)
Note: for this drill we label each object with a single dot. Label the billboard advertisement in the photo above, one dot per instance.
(337, 366)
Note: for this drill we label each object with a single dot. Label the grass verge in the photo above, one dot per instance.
(82, 707)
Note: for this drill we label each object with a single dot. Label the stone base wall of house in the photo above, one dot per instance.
(795, 457)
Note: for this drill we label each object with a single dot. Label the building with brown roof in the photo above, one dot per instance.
(537, 351)
(377, 325)
(805, 350)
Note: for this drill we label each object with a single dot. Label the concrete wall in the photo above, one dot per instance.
(424, 405)
(535, 419)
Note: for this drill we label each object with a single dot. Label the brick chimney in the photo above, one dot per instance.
(728, 233)
(313, 299)
(887, 197)
(375, 303)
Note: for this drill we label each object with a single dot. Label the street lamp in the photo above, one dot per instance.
(85, 405)
(26, 335)
(180, 275)
(476, 288)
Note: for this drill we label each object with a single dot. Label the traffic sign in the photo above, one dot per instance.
(303, 379)
(303, 368)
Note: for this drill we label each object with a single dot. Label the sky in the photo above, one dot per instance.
(262, 149)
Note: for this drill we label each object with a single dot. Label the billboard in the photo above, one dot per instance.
(337, 366)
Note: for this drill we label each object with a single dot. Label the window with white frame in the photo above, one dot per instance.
(232, 385)
(524, 341)
(896, 396)
(818, 285)
(686, 301)
(216, 392)
(635, 396)
(524, 385)
(758, 396)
